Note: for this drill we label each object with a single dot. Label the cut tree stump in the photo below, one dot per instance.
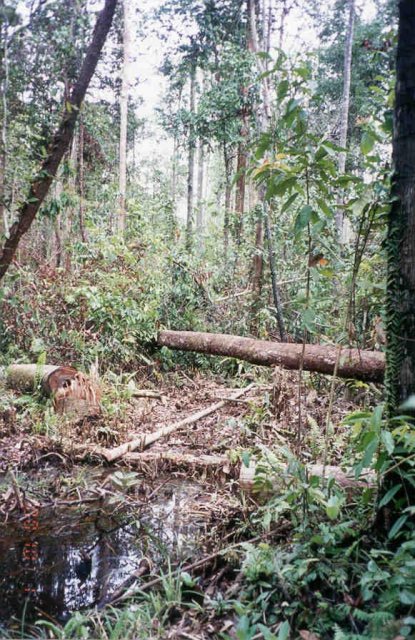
(353, 363)
(73, 393)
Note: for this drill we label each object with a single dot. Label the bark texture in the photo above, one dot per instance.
(400, 378)
(61, 140)
(362, 365)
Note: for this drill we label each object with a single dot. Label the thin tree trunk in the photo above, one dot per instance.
(81, 184)
(4, 222)
(341, 226)
(174, 174)
(275, 289)
(263, 117)
(228, 171)
(191, 162)
(69, 218)
(61, 140)
(285, 10)
(125, 90)
(200, 180)
(400, 304)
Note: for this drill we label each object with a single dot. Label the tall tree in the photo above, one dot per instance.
(41, 183)
(191, 156)
(342, 228)
(400, 372)
(125, 90)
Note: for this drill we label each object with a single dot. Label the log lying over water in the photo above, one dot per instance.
(353, 363)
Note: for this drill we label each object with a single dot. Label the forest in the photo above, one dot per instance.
(207, 319)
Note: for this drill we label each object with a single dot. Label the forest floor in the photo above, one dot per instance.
(268, 413)
(43, 456)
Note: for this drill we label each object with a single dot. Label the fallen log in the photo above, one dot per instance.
(72, 392)
(353, 363)
(344, 479)
(179, 459)
(145, 440)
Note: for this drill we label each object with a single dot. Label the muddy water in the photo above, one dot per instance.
(54, 562)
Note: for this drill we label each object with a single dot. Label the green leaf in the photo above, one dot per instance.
(284, 631)
(387, 125)
(268, 635)
(303, 218)
(287, 204)
(397, 526)
(246, 458)
(333, 507)
(367, 143)
(369, 452)
(407, 597)
(389, 495)
(282, 89)
(263, 145)
(387, 439)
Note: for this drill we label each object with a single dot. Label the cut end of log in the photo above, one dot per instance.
(74, 394)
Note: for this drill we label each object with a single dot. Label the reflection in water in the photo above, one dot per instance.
(56, 562)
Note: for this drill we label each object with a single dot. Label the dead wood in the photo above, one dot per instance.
(344, 479)
(146, 393)
(353, 363)
(147, 439)
(179, 459)
(73, 393)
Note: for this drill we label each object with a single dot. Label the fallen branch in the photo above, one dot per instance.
(354, 363)
(147, 439)
(146, 393)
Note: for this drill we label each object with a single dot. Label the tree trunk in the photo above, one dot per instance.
(200, 181)
(341, 225)
(81, 183)
(4, 224)
(61, 140)
(125, 90)
(174, 174)
(258, 269)
(353, 363)
(240, 183)
(228, 171)
(400, 372)
(191, 162)
(69, 218)
(275, 289)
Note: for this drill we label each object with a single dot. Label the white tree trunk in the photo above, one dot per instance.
(342, 226)
(191, 162)
(125, 90)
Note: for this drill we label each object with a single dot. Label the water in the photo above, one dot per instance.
(56, 561)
